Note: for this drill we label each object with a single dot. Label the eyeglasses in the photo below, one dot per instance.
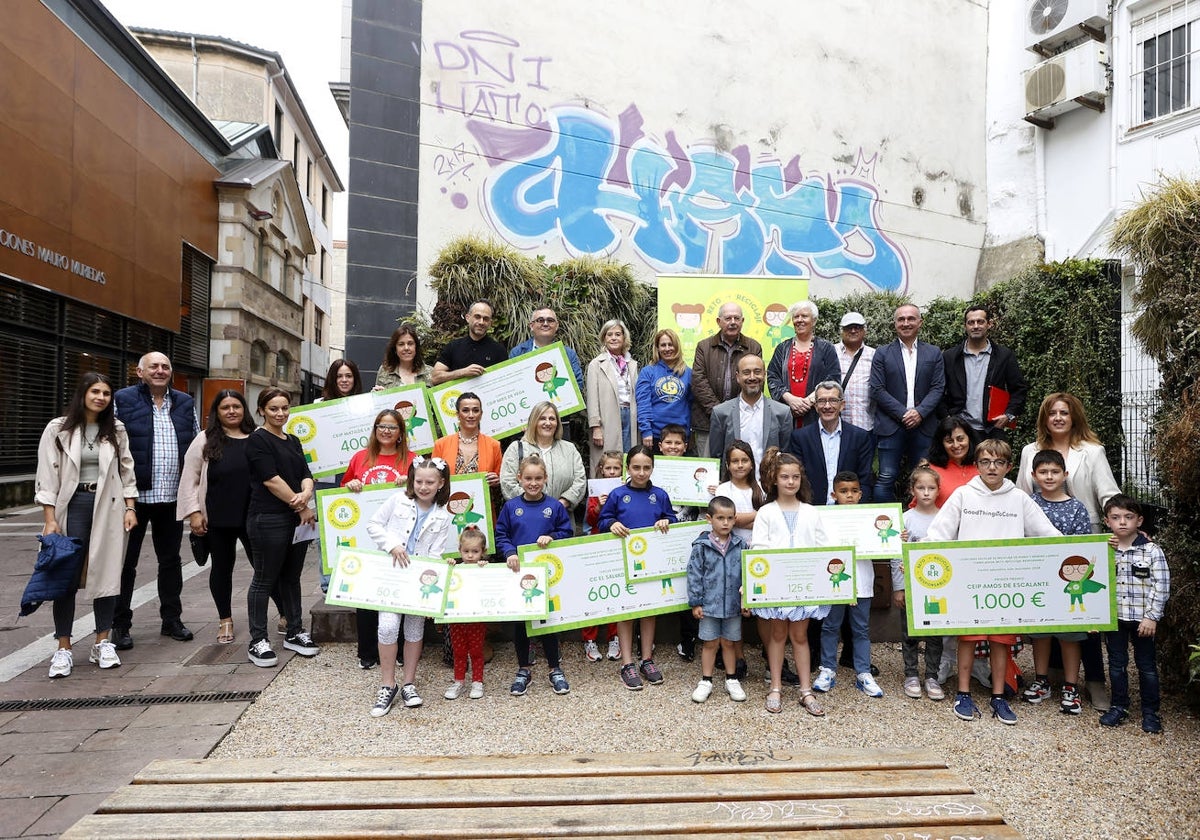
(382, 427)
(830, 401)
(545, 322)
(986, 463)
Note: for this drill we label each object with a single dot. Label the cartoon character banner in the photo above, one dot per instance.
(873, 530)
(688, 304)
(1042, 585)
(333, 430)
(687, 480)
(587, 585)
(790, 577)
(496, 593)
(652, 555)
(508, 390)
(343, 516)
(369, 579)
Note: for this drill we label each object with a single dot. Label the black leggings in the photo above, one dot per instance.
(549, 646)
(79, 524)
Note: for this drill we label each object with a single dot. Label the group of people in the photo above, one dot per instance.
(839, 425)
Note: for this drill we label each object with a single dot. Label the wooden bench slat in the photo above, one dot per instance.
(520, 792)
(584, 820)
(188, 771)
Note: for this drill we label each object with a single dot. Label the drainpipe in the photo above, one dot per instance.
(195, 71)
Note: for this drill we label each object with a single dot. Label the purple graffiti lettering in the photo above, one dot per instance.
(537, 62)
(441, 48)
(591, 182)
(488, 37)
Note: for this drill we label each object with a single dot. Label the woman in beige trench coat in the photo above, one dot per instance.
(611, 382)
(87, 489)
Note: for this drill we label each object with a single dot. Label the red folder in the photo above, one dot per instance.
(998, 405)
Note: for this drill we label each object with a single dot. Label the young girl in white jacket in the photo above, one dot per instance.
(412, 521)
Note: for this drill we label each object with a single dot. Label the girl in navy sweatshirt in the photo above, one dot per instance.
(639, 504)
(527, 519)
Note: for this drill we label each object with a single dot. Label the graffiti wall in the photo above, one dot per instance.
(682, 139)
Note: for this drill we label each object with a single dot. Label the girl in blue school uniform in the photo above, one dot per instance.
(638, 504)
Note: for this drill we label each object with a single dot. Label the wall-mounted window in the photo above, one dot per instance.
(325, 204)
(282, 365)
(258, 358)
(318, 327)
(278, 128)
(1166, 58)
(308, 190)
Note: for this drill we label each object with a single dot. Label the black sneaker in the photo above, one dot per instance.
(1151, 723)
(365, 664)
(686, 652)
(520, 682)
(121, 639)
(789, 677)
(302, 644)
(261, 654)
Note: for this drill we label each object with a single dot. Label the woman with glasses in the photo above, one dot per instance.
(798, 365)
(385, 461)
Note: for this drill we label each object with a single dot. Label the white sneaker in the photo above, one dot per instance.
(912, 687)
(736, 693)
(61, 663)
(454, 690)
(476, 691)
(934, 691)
(592, 651)
(614, 649)
(703, 689)
(104, 654)
(867, 685)
(825, 680)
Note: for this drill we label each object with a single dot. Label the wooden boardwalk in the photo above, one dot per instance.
(880, 794)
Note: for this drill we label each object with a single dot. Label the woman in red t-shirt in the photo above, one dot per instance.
(385, 461)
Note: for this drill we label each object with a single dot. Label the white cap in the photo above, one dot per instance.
(853, 318)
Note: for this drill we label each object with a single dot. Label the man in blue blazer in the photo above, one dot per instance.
(908, 379)
(750, 416)
(831, 445)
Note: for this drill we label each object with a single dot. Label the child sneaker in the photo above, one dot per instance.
(1151, 723)
(1115, 716)
(865, 683)
(476, 691)
(260, 654)
(629, 676)
(520, 683)
(703, 689)
(61, 663)
(408, 692)
(104, 654)
(383, 700)
(614, 649)
(934, 691)
(1003, 711)
(650, 672)
(964, 707)
(592, 651)
(559, 682)
(825, 680)
(302, 644)
(734, 688)
(912, 687)
(1038, 691)
(1070, 704)
(454, 690)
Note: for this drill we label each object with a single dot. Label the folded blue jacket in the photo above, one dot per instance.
(54, 573)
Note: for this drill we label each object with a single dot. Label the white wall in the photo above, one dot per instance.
(849, 135)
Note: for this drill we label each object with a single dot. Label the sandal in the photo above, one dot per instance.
(774, 701)
(225, 632)
(811, 705)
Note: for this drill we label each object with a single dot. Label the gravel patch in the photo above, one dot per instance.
(1053, 775)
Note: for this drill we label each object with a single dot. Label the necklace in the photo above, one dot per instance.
(91, 444)
(463, 439)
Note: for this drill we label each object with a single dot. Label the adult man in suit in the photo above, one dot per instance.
(832, 445)
(973, 369)
(907, 379)
(750, 416)
(161, 423)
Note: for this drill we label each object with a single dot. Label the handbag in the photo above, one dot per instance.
(199, 548)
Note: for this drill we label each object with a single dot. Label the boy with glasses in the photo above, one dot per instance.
(988, 507)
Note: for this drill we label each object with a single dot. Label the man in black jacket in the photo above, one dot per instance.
(980, 377)
(161, 424)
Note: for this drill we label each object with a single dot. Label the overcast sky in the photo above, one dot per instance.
(307, 33)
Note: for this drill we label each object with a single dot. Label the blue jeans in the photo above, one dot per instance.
(904, 444)
(626, 432)
(1118, 665)
(860, 626)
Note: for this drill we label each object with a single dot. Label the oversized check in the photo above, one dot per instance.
(369, 579)
(496, 593)
(873, 530)
(793, 577)
(653, 555)
(1038, 585)
(508, 390)
(333, 430)
(343, 516)
(687, 480)
(587, 585)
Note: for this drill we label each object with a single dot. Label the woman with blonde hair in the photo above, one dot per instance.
(565, 478)
(664, 390)
(611, 400)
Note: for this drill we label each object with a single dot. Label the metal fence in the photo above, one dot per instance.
(1140, 403)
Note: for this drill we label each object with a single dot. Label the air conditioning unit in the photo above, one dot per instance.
(1066, 81)
(1051, 23)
